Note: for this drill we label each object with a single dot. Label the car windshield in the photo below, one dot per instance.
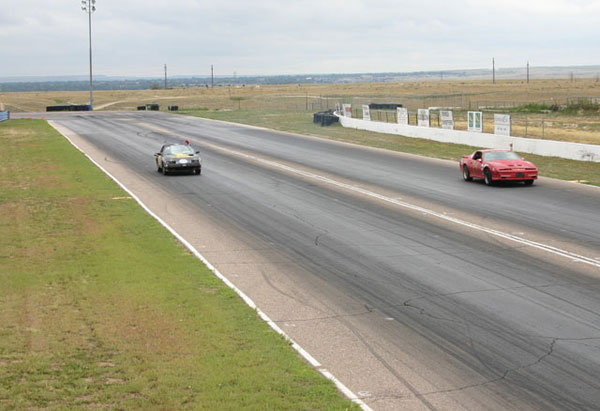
(178, 150)
(500, 155)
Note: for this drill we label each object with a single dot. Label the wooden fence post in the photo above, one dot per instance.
(543, 126)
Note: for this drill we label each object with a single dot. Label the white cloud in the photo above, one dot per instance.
(538, 7)
(135, 37)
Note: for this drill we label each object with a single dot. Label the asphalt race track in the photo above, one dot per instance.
(416, 289)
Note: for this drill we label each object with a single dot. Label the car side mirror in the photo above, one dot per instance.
(197, 152)
(156, 154)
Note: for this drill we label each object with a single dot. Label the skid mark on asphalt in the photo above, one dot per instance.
(507, 236)
(68, 134)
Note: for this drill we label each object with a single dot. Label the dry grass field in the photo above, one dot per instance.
(461, 96)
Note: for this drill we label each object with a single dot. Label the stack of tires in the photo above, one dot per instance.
(325, 118)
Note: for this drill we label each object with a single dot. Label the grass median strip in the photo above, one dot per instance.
(101, 307)
(301, 123)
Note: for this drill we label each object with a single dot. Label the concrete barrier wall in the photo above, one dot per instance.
(550, 148)
(4, 115)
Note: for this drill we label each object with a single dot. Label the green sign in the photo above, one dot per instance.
(475, 121)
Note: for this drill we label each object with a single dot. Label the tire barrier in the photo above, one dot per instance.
(70, 107)
(152, 107)
(384, 106)
(326, 118)
(173, 108)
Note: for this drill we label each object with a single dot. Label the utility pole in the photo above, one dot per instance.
(212, 76)
(89, 6)
(165, 76)
(528, 72)
(493, 70)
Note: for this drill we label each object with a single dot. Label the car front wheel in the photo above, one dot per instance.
(164, 170)
(466, 175)
(487, 177)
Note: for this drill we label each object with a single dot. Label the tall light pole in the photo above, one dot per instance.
(89, 6)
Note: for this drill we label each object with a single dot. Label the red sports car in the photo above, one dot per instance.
(497, 165)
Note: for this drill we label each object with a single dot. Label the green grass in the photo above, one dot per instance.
(534, 108)
(298, 122)
(582, 107)
(101, 307)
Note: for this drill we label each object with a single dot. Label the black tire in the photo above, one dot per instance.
(158, 167)
(487, 177)
(528, 182)
(466, 175)
(198, 171)
(164, 171)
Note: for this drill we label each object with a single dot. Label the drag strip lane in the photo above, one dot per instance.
(408, 311)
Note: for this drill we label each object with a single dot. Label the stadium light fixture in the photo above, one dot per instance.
(89, 6)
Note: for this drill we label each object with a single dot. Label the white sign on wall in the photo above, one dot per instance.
(475, 121)
(502, 124)
(447, 120)
(347, 110)
(366, 113)
(402, 115)
(423, 117)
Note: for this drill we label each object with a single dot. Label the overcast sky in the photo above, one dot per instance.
(136, 38)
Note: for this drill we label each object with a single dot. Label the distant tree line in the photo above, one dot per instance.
(154, 83)
(112, 83)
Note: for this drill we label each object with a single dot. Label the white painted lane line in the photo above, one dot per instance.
(425, 211)
(311, 360)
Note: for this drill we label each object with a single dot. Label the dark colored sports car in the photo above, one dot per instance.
(497, 165)
(178, 158)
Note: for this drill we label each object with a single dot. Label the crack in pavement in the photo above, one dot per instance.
(505, 374)
(422, 311)
(486, 290)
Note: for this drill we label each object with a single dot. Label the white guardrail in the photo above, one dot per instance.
(550, 148)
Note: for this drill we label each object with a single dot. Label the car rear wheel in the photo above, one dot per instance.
(528, 182)
(466, 174)
(487, 177)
